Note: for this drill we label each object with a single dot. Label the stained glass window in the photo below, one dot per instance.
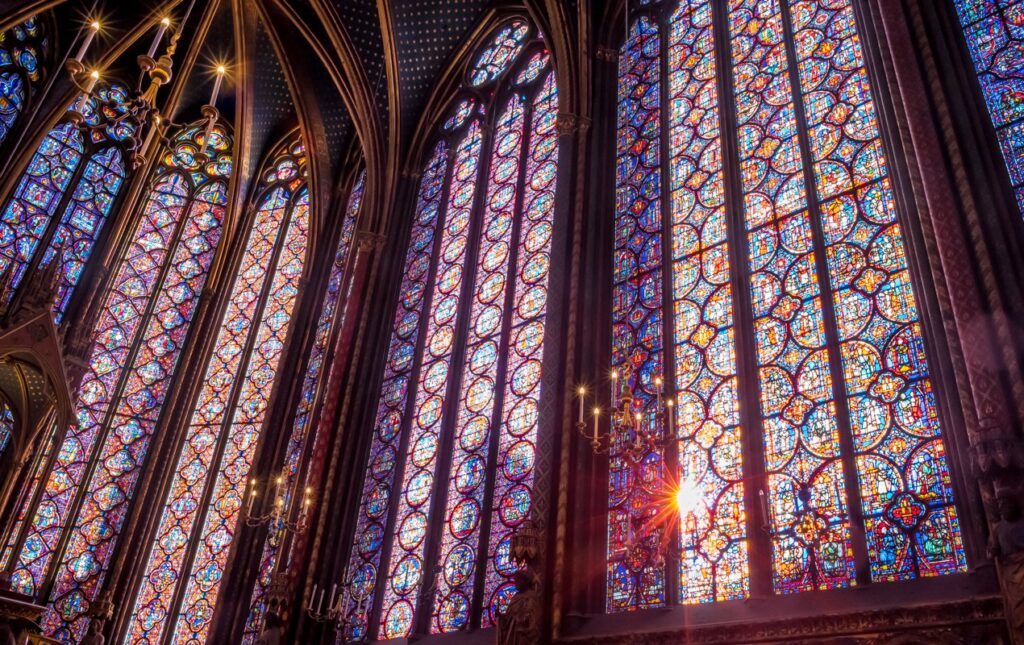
(6, 426)
(994, 38)
(845, 415)
(140, 333)
(23, 49)
(76, 173)
(205, 498)
(473, 300)
(332, 317)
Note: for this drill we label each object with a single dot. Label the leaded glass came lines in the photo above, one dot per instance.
(993, 32)
(227, 419)
(140, 333)
(474, 294)
(843, 389)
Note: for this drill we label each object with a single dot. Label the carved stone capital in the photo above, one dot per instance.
(368, 241)
(997, 451)
(568, 123)
(606, 54)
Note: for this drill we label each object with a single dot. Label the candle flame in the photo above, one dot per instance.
(221, 69)
(95, 25)
(597, 411)
(581, 391)
(165, 21)
(94, 74)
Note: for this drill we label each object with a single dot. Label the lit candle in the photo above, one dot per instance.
(90, 85)
(252, 496)
(216, 84)
(597, 414)
(657, 385)
(615, 386)
(583, 395)
(94, 28)
(164, 23)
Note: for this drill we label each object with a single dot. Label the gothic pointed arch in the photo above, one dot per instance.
(201, 510)
(73, 506)
(67, 191)
(476, 278)
(762, 284)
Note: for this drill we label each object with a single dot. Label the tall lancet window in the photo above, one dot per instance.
(23, 48)
(189, 552)
(332, 318)
(993, 33)
(450, 471)
(64, 196)
(74, 506)
(761, 272)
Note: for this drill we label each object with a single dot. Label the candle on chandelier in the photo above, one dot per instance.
(669, 412)
(597, 414)
(583, 396)
(90, 34)
(252, 497)
(90, 85)
(334, 591)
(165, 22)
(221, 70)
(658, 387)
(615, 386)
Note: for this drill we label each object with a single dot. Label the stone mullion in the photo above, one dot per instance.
(249, 542)
(952, 223)
(339, 476)
(759, 573)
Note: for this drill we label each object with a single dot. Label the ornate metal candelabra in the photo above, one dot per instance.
(626, 418)
(136, 117)
(277, 517)
(633, 435)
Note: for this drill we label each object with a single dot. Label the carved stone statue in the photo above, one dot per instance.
(519, 624)
(1006, 545)
(95, 634)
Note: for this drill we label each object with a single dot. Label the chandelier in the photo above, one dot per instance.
(277, 517)
(633, 435)
(137, 115)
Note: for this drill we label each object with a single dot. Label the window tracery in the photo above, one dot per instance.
(23, 50)
(467, 336)
(199, 517)
(73, 512)
(66, 193)
(846, 421)
(992, 30)
(332, 317)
